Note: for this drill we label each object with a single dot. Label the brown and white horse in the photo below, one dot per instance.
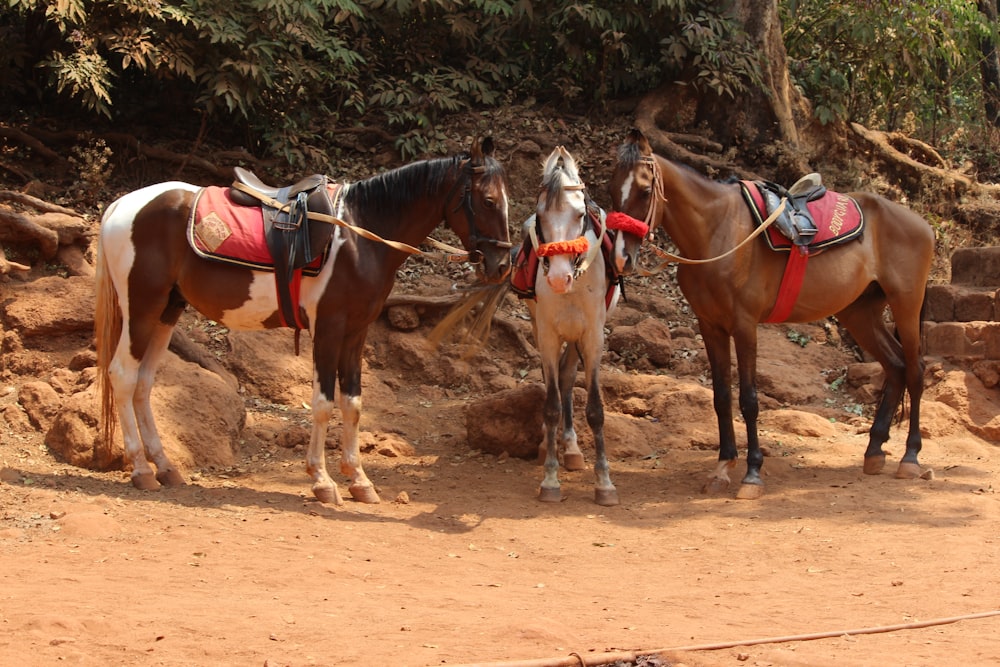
(148, 274)
(887, 265)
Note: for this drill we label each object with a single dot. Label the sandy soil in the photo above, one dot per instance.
(461, 564)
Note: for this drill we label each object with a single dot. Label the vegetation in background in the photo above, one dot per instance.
(285, 68)
(288, 73)
(889, 64)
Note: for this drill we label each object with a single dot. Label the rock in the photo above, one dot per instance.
(508, 421)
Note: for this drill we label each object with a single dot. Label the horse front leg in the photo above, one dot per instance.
(719, 359)
(324, 488)
(549, 491)
(572, 456)
(361, 488)
(605, 493)
(752, 486)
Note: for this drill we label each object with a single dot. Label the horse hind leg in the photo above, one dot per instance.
(863, 319)
(908, 321)
(131, 381)
(167, 473)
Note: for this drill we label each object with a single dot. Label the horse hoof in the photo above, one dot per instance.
(574, 462)
(547, 495)
(329, 495)
(170, 477)
(908, 470)
(364, 494)
(145, 482)
(606, 497)
(750, 491)
(874, 464)
(715, 486)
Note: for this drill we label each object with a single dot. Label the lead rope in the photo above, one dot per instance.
(448, 252)
(659, 196)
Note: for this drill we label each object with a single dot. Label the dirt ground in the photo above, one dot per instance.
(460, 564)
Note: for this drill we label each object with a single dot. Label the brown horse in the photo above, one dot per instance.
(148, 273)
(888, 265)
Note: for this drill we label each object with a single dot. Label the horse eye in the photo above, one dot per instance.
(490, 202)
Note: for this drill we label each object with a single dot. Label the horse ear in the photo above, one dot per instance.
(635, 136)
(488, 147)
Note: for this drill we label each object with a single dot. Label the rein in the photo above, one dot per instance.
(448, 252)
(659, 196)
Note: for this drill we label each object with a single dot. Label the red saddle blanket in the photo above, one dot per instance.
(225, 232)
(838, 219)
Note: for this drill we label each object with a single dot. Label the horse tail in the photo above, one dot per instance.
(480, 321)
(107, 333)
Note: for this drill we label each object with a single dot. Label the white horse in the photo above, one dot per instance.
(571, 304)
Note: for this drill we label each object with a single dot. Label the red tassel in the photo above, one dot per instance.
(626, 223)
(577, 246)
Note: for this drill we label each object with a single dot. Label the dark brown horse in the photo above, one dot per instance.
(888, 265)
(148, 274)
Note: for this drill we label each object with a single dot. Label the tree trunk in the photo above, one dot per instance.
(989, 66)
(771, 126)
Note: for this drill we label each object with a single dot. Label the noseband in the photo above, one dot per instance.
(469, 172)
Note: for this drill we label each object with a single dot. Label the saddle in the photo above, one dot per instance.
(795, 222)
(293, 240)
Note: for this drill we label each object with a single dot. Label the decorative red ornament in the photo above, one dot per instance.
(626, 223)
(577, 246)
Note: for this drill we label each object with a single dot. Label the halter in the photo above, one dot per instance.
(584, 247)
(469, 171)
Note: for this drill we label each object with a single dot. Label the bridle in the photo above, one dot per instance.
(656, 190)
(658, 196)
(585, 247)
(469, 172)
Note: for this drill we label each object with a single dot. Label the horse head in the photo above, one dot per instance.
(482, 225)
(561, 222)
(637, 192)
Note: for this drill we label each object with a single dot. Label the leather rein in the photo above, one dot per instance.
(659, 198)
(447, 252)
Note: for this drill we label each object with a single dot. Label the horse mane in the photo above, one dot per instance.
(387, 195)
(552, 182)
(629, 155)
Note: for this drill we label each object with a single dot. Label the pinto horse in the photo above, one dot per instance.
(568, 314)
(887, 265)
(148, 274)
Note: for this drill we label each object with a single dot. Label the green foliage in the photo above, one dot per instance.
(880, 61)
(280, 66)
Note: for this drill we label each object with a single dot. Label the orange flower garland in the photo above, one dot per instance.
(577, 246)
